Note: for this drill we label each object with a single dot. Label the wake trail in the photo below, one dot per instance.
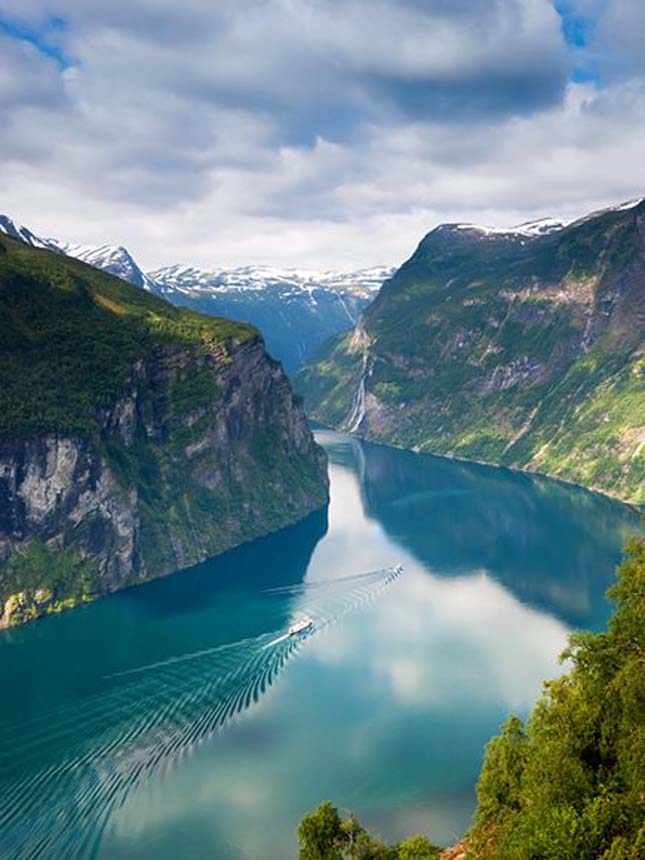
(159, 717)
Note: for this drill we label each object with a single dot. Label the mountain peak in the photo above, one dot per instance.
(24, 234)
(115, 259)
(528, 229)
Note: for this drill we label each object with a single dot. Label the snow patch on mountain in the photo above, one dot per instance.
(544, 226)
(528, 230)
(114, 259)
(291, 282)
(24, 234)
(621, 207)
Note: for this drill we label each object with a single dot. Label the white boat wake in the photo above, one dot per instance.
(147, 720)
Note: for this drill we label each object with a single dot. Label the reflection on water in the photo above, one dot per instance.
(148, 718)
(551, 544)
(385, 711)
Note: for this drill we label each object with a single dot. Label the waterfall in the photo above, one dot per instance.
(358, 406)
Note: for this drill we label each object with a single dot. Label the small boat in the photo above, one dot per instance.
(301, 626)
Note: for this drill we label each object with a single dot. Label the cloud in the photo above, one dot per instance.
(27, 77)
(313, 131)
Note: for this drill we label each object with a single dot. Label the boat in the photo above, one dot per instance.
(301, 626)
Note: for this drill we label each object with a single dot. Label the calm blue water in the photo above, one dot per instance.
(175, 721)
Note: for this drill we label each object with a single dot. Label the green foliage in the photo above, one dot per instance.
(499, 781)
(589, 426)
(323, 835)
(58, 578)
(417, 848)
(70, 334)
(192, 389)
(570, 785)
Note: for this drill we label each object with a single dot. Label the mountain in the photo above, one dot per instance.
(136, 438)
(114, 259)
(295, 309)
(24, 234)
(521, 347)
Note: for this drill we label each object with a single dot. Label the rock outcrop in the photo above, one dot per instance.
(204, 447)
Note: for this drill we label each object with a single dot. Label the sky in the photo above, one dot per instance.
(313, 133)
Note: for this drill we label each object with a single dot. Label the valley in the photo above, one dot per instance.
(296, 310)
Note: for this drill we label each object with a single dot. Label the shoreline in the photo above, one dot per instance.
(635, 506)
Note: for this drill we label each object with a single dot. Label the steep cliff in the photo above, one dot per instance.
(135, 438)
(521, 347)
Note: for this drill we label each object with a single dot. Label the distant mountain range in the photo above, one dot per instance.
(295, 309)
(521, 346)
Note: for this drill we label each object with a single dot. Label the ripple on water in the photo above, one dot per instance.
(145, 721)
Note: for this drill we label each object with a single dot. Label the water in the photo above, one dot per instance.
(177, 720)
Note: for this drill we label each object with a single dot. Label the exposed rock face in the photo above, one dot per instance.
(522, 347)
(204, 448)
(165, 484)
(455, 852)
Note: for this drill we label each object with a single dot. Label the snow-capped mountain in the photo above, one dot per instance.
(114, 259)
(528, 230)
(533, 229)
(295, 309)
(364, 282)
(24, 234)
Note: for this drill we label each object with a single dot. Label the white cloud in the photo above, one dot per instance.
(302, 131)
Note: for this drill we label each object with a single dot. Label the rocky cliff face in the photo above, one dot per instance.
(204, 447)
(521, 347)
(171, 479)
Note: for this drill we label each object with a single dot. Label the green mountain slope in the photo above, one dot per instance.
(523, 348)
(136, 438)
(70, 334)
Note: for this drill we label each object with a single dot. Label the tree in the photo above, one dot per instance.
(417, 848)
(570, 785)
(321, 835)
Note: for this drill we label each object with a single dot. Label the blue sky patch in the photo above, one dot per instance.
(578, 32)
(39, 38)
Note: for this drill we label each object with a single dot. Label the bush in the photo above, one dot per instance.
(323, 835)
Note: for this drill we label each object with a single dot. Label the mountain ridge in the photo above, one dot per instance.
(297, 309)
